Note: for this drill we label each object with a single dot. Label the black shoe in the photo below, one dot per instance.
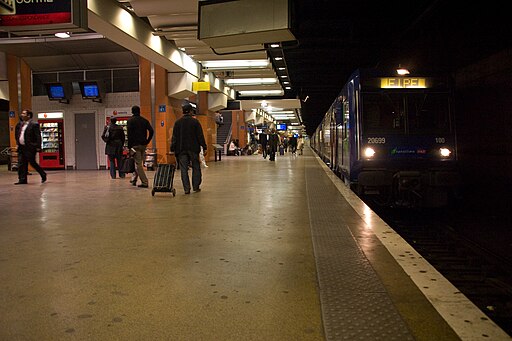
(20, 183)
(134, 183)
(143, 186)
(43, 178)
(187, 192)
(197, 190)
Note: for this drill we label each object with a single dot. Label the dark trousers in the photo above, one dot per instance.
(112, 164)
(264, 150)
(26, 156)
(190, 158)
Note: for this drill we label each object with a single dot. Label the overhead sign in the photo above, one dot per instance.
(43, 15)
(200, 86)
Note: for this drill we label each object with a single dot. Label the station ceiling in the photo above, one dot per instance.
(333, 39)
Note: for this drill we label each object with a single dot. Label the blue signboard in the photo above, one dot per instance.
(12, 114)
(161, 108)
(162, 123)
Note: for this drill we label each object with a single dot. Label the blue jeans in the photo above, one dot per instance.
(112, 164)
(186, 159)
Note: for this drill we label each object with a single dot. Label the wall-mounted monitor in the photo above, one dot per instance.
(281, 127)
(90, 90)
(57, 92)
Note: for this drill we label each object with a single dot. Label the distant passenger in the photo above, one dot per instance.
(292, 141)
(140, 134)
(300, 144)
(28, 139)
(273, 142)
(113, 135)
(264, 143)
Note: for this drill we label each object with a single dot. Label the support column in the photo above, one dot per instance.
(20, 94)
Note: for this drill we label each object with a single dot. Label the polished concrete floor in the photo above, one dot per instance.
(84, 257)
(266, 251)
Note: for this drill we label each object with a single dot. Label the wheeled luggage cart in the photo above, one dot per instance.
(163, 181)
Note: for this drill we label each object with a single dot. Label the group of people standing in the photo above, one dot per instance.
(140, 133)
(271, 142)
(187, 143)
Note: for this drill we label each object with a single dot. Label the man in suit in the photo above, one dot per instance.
(28, 139)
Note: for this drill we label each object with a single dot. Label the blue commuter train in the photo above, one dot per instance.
(392, 138)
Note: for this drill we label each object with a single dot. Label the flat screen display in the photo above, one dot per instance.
(56, 92)
(89, 90)
(281, 127)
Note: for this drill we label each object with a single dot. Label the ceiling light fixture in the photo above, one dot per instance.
(274, 45)
(278, 58)
(261, 92)
(402, 71)
(236, 64)
(250, 81)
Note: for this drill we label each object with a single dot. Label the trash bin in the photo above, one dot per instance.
(150, 160)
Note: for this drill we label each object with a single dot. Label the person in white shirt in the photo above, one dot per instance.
(28, 139)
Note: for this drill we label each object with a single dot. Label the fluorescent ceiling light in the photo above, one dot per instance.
(281, 68)
(274, 45)
(251, 81)
(278, 58)
(236, 64)
(261, 92)
(283, 112)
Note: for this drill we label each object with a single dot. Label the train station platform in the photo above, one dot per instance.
(266, 251)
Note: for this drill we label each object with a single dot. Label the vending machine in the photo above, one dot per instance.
(52, 133)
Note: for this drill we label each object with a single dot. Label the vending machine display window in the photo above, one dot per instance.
(52, 135)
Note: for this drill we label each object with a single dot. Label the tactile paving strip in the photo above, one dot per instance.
(355, 304)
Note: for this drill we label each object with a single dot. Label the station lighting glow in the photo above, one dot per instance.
(261, 92)
(274, 45)
(250, 81)
(236, 64)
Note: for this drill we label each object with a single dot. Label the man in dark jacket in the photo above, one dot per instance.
(28, 138)
(140, 134)
(113, 135)
(186, 143)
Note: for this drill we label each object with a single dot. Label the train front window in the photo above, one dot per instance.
(428, 113)
(383, 113)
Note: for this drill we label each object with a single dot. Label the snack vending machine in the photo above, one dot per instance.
(52, 133)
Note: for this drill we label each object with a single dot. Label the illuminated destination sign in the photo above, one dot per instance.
(402, 82)
(44, 15)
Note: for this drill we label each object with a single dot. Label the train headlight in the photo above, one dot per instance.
(445, 152)
(369, 152)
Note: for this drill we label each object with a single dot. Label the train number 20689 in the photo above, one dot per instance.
(376, 140)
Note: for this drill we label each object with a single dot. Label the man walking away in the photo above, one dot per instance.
(28, 138)
(186, 143)
(140, 134)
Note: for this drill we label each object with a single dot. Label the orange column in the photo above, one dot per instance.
(164, 118)
(13, 65)
(238, 128)
(207, 120)
(145, 90)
